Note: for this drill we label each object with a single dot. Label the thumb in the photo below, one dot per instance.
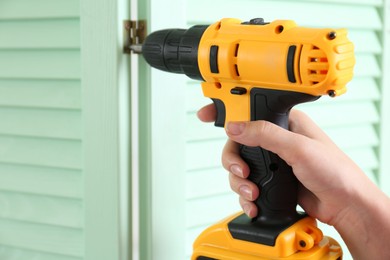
(266, 135)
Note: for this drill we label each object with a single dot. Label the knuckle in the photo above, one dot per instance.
(234, 183)
(302, 152)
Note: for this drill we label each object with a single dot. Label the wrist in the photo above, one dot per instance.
(364, 224)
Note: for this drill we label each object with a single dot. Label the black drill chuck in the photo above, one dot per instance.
(175, 50)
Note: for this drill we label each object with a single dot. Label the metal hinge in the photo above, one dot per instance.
(134, 36)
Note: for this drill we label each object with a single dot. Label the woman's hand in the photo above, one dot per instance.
(332, 189)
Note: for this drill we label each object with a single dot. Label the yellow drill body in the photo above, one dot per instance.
(259, 71)
(253, 56)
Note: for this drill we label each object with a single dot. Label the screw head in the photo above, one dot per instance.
(332, 35)
(332, 93)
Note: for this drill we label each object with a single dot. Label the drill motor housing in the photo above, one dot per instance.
(232, 57)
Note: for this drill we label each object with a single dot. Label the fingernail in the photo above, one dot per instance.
(246, 208)
(246, 192)
(235, 128)
(237, 170)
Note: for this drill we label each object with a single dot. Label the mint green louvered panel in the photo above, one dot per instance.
(41, 184)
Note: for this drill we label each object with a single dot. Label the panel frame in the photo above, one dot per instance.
(166, 141)
(384, 151)
(105, 77)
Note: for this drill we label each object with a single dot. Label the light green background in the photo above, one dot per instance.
(65, 113)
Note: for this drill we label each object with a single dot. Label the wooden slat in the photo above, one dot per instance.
(12, 253)
(59, 33)
(197, 130)
(365, 157)
(41, 152)
(342, 2)
(41, 93)
(217, 183)
(41, 180)
(349, 137)
(216, 207)
(41, 209)
(359, 89)
(45, 238)
(40, 64)
(372, 175)
(194, 96)
(366, 66)
(321, 15)
(64, 124)
(365, 41)
(203, 155)
(38, 9)
(342, 114)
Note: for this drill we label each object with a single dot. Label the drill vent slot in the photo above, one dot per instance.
(236, 50)
(290, 63)
(236, 55)
(214, 59)
(236, 70)
(317, 65)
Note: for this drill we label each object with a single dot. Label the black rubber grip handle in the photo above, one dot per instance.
(276, 181)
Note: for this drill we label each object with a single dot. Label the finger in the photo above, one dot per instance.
(207, 113)
(232, 161)
(243, 187)
(309, 202)
(249, 207)
(273, 138)
(300, 123)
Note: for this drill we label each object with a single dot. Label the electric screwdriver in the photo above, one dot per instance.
(257, 70)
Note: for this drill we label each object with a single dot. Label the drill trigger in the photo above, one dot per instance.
(221, 112)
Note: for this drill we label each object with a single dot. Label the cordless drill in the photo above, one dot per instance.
(258, 71)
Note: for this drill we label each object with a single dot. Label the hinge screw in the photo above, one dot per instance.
(134, 36)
